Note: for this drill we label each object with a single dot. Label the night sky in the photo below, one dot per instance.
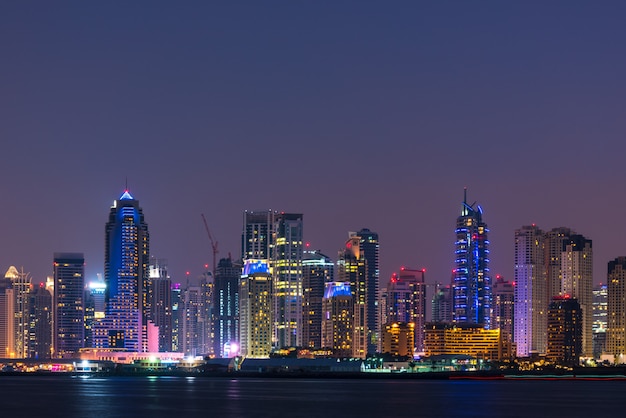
(356, 114)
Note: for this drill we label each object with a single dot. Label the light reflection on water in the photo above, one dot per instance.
(158, 397)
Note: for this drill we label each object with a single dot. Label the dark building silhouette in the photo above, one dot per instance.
(317, 270)
(226, 308)
(565, 331)
(69, 293)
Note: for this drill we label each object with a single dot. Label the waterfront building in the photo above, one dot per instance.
(352, 269)
(277, 238)
(530, 292)
(226, 296)
(21, 283)
(126, 275)
(160, 296)
(207, 285)
(255, 309)
(177, 317)
(40, 304)
(616, 310)
(565, 331)
(338, 316)
(472, 281)
(442, 304)
(69, 319)
(399, 339)
(504, 307)
(7, 319)
(577, 282)
(600, 319)
(193, 336)
(554, 242)
(466, 339)
(406, 302)
(317, 270)
(94, 308)
(365, 246)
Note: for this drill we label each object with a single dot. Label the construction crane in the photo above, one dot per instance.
(213, 243)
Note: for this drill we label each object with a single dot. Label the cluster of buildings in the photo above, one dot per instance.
(281, 295)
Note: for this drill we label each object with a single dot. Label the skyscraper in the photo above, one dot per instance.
(442, 304)
(504, 307)
(553, 243)
(193, 336)
(317, 270)
(287, 270)
(255, 309)
(338, 307)
(69, 320)
(226, 296)
(577, 282)
(564, 331)
(365, 246)
(616, 310)
(531, 292)
(352, 270)
(406, 303)
(40, 323)
(277, 238)
(7, 319)
(600, 318)
(21, 284)
(126, 274)
(161, 302)
(472, 282)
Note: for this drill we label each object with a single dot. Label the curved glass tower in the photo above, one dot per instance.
(126, 274)
(472, 284)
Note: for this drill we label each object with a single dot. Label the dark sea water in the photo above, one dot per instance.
(182, 397)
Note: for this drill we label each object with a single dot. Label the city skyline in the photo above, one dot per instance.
(363, 117)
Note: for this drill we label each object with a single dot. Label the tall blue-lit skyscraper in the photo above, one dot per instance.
(472, 283)
(126, 274)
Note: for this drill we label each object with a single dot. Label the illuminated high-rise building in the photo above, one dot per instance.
(160, 295)
(472, 282)
(616, 310)
(207, 285)
(398, 339)
(554, 241)
(503, 307)
(317, 270)
(255, 309)
(564, 331)
(600, 318)
(40, 345)
(69, 320)
(531, 292)
(287, 279)
(352, 269)
(577, 282)
(94, 308)
(7, 319)
(338, 316)
(21, 283)
(177, 317)
(226, 317)
(365, 246)
(406, 303)
(193, 336)
(277, 238)
(126, 274)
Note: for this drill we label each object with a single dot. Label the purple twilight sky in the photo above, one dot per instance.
(355, 113)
